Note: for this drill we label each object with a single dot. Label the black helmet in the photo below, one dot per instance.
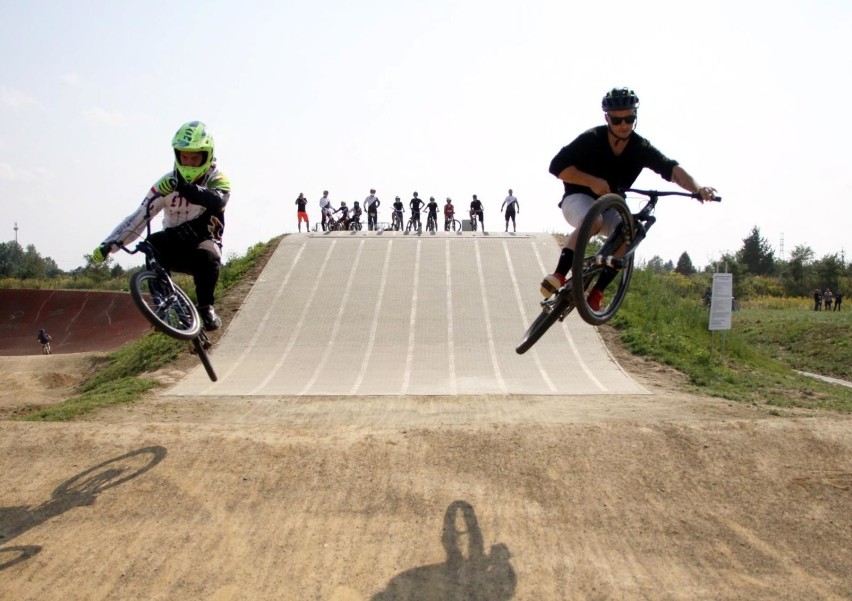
(620, 99)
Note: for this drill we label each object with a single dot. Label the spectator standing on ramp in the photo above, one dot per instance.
(415, 204)
(371, 203)
(326, 210)
(477, 211)
(449, 213)
(302, 212)
(511, 205)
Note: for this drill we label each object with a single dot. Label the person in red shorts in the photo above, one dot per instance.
(302, 214)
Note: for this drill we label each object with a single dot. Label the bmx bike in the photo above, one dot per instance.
(414, 223)
(612, 258)
(432, 223)
(451, 224)
(166, 306)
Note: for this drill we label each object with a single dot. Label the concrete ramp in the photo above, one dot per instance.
(395, 314)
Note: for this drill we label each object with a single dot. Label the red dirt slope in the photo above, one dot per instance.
(79, 321)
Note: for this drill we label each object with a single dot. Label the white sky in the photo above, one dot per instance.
(446, 97)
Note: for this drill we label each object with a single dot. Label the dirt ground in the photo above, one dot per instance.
(662, 496)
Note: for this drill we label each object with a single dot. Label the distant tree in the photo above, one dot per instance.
(655, 265)
(828, 271)
(669, 266)
(757, 254)
(11, 255)
(794, 275)
(117, 271)
(684, 265)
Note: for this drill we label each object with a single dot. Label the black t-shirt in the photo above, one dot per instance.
(476, 205)
(415, 204)
(591, 153)
(398, 206)
(433, 208)
(302, 202)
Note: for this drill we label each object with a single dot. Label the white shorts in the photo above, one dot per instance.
(576, 206)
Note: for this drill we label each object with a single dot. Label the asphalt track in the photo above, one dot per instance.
(369, 314)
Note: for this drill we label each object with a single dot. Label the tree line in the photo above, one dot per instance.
(20, 263)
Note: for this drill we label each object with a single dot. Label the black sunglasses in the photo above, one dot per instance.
(631, 119)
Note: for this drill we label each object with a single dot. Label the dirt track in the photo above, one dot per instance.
(663, 497)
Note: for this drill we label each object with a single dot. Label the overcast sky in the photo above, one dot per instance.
(446, 97)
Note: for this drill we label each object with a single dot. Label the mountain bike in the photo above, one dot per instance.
(432, 223)
(165, 305)
(593, 258)
(451, 224)
(414, 223)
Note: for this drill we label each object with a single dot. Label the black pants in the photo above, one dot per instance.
(201, 260)
(372, 216)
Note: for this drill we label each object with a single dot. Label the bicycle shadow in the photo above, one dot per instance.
(79, 491)
(469, 573)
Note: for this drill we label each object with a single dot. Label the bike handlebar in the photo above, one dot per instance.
(658, 193)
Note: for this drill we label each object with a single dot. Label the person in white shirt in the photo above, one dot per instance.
(372, 205)
(511, 205)
(326, 210)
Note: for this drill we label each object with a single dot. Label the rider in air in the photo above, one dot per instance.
(193, 196)
(605, 159)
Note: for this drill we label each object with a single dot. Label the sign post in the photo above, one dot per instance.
(721, 304)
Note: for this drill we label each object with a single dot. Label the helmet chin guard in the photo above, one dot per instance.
(193, 137)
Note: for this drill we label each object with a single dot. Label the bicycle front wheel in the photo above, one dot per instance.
(165, 305)
(604, 263)
(552, 310)
(455, 225)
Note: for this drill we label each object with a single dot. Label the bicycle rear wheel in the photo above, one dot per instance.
(552, 310)
(455, 225)
(593, 264)
(200, 344)
(165, 305)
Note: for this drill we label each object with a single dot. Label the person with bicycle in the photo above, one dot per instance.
(449, 214)
(356, 215)
(398, 210)
(344, 216)
(326, 210)
(607, 158)
(44, 338)
(415, 205)
(371, 203)
(476, 212)
(193, 197)
(432, 215)
(511, 205)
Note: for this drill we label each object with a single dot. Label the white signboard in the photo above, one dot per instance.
(721, 301)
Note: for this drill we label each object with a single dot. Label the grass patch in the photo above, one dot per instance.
(119, 375)
(657, 321)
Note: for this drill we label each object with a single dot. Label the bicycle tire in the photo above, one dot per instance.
(200, 350)
(473, 224)
(355, 226)
(175, 316)
(585, 262)
(552, 311)
(456, 225)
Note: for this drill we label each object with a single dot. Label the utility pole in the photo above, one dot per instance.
(16, 232)
(782, 246)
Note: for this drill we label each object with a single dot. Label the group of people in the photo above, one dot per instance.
(417, 206)
(193, 195)
(827, 298)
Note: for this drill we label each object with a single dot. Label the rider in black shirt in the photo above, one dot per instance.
(476, 211)
(602, 160)
(432, 207)
(415, 205)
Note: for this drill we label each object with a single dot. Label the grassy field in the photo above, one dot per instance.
(755, 361)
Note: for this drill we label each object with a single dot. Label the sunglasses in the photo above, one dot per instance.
(631, 119)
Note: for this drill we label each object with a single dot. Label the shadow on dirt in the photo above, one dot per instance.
(468, 572)
(79, 491)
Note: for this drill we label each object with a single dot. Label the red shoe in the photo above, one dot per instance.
(594, 299)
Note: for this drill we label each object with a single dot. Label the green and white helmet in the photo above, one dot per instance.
(193, 137)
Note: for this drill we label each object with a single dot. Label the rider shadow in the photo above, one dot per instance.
(78, 491)
(468, 573)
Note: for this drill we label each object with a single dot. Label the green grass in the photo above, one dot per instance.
(119, 376)
(661, 321)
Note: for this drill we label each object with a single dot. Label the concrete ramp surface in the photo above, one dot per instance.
(395, 314)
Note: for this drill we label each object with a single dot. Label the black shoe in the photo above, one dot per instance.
(209, 318)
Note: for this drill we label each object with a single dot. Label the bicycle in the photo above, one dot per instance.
(451, 224)
(355, 224)
(614, 257)
(414, 222)
(165, 305)
(432, 223)
(45, 348)
(473, 220)
(396, 221)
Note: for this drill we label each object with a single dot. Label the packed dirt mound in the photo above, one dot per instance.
(31, 383)
(78, 320)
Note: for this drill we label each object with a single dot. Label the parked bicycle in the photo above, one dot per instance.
(414, 223)
(593, 258)
(165, 305)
